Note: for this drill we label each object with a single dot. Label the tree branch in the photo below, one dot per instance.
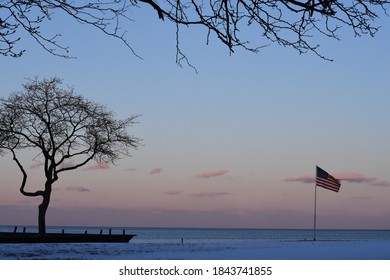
(24, 180)
(159, 11)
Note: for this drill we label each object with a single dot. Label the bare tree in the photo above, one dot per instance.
(67, 130)
(291, 23)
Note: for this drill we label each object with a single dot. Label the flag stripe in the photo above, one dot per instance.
(327, 181)
(330, 186)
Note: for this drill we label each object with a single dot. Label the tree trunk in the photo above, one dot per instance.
(42, 209)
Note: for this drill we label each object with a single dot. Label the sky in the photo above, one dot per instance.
(234, 145)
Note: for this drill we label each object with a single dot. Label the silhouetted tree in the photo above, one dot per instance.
(291, 23)
(67, 130)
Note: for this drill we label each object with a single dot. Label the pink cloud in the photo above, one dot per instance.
(173, 192)
(155, 171)
(350, 177)
(36, 165)
(67, 163)
(214, 173)
(98, 166)
(209, 194)
(354, 177)
(78, 189)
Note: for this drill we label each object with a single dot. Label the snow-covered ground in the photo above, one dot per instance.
(262, 250)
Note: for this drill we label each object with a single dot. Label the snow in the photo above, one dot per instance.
(261, 250)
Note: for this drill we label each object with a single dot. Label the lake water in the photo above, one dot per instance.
(205, 235)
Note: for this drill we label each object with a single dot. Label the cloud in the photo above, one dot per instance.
(36, 165)
(173, 192)
(354, 178)
(98, 166)
(304, 179)
(381, 183)
(67, 163)
(214, 173)
(78, 189)
(155, 171)
(209, 194)
(349, 177)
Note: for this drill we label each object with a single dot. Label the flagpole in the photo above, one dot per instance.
(324, 180)
(315, 212)
(315, 206)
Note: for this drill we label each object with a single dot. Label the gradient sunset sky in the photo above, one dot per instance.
(235, 145)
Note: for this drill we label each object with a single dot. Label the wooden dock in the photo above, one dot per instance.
(24, 237)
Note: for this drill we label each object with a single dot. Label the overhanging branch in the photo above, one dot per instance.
(159, 11)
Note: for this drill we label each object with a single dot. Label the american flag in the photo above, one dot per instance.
(327, 181)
